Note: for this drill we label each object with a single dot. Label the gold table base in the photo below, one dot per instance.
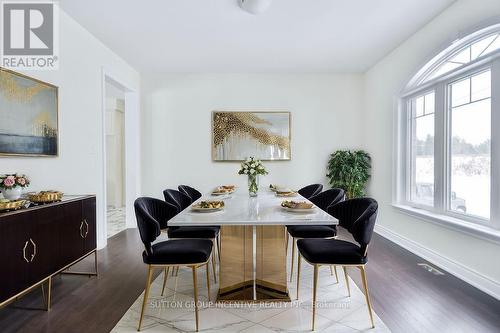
(253, 263)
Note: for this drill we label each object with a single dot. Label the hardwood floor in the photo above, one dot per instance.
(407, 297)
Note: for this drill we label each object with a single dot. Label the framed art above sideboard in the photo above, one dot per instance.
(29, 116)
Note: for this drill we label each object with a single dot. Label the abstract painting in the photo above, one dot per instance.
(238, 135)
(28, 116)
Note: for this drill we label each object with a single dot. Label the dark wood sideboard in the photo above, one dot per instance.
(38, 242)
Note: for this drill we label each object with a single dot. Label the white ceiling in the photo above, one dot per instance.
(217, 36)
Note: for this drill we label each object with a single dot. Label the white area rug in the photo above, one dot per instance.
(174, 311)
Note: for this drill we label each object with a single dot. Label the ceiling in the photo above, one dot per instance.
(216, 36)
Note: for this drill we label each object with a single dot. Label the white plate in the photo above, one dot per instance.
(206, 210)
(299, 210)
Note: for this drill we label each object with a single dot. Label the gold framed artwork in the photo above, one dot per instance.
(29, 114)
(238, 135)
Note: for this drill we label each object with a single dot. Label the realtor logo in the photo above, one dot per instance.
(29, 35)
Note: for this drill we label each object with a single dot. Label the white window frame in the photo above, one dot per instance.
(402, 189)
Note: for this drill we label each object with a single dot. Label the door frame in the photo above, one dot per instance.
(132, 154)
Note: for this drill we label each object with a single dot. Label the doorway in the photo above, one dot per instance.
(115, 158)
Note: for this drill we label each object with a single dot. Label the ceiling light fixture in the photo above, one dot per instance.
(255, 6)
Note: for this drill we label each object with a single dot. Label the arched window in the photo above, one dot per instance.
(449, 148)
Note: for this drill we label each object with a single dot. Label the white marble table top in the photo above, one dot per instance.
(241, 209)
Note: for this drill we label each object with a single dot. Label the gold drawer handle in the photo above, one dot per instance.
(81, 230)
(86, 227)
(34, 250)
(24, 251)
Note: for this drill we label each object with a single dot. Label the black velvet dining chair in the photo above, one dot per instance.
(191, 192)
(151, 213)
(177, 198)
(358, 217)
(310, 190)
(181, 201)
(322, 200)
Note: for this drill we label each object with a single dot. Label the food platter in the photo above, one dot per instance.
(297, 206)
(208, 206)
(286, 193)
(224, 189)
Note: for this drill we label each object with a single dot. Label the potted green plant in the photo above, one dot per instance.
(350, 171)
(12, 185)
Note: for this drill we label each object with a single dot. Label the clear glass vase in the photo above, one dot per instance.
(253, 185)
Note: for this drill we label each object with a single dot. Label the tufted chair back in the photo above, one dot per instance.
(152, 215)
(310, 190)
(327, 198)
(358, 216)
(178, 199)
(193, 193)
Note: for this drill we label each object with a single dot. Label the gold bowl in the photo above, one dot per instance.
(45, 196)
(11, 205)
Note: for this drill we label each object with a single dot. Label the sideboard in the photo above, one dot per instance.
(39, 242)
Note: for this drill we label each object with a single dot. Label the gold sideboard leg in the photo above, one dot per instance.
(47, 298)
(49, 293)
(90, 274)
(95, 263)
(44, 297)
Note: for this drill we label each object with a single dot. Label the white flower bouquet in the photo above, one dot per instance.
(252, 167)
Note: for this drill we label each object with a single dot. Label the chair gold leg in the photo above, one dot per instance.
(146, 294)
(293, 258)
(165, 277)
(331, 270)
(287, 236)
(195, 297)
(214, 269)
(367, 295)
(175, 283)
(347, 281)
(299, 257)
(315, 289)
(208, 280)
(336, 274)
(217, 241)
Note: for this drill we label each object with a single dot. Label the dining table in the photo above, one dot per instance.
(253, 241)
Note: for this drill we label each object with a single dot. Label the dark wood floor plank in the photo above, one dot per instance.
(404, 295)
(408, 298)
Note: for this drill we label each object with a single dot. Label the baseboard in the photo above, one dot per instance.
(473, 278)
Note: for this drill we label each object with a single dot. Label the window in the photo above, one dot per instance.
(422, 149)
(470, 141)
(471, 52)
(447, 112)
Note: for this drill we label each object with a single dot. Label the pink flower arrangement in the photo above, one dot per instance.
(11, 181)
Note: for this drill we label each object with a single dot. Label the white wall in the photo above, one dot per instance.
(325, 111)
(472, 258)
(79, 167)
